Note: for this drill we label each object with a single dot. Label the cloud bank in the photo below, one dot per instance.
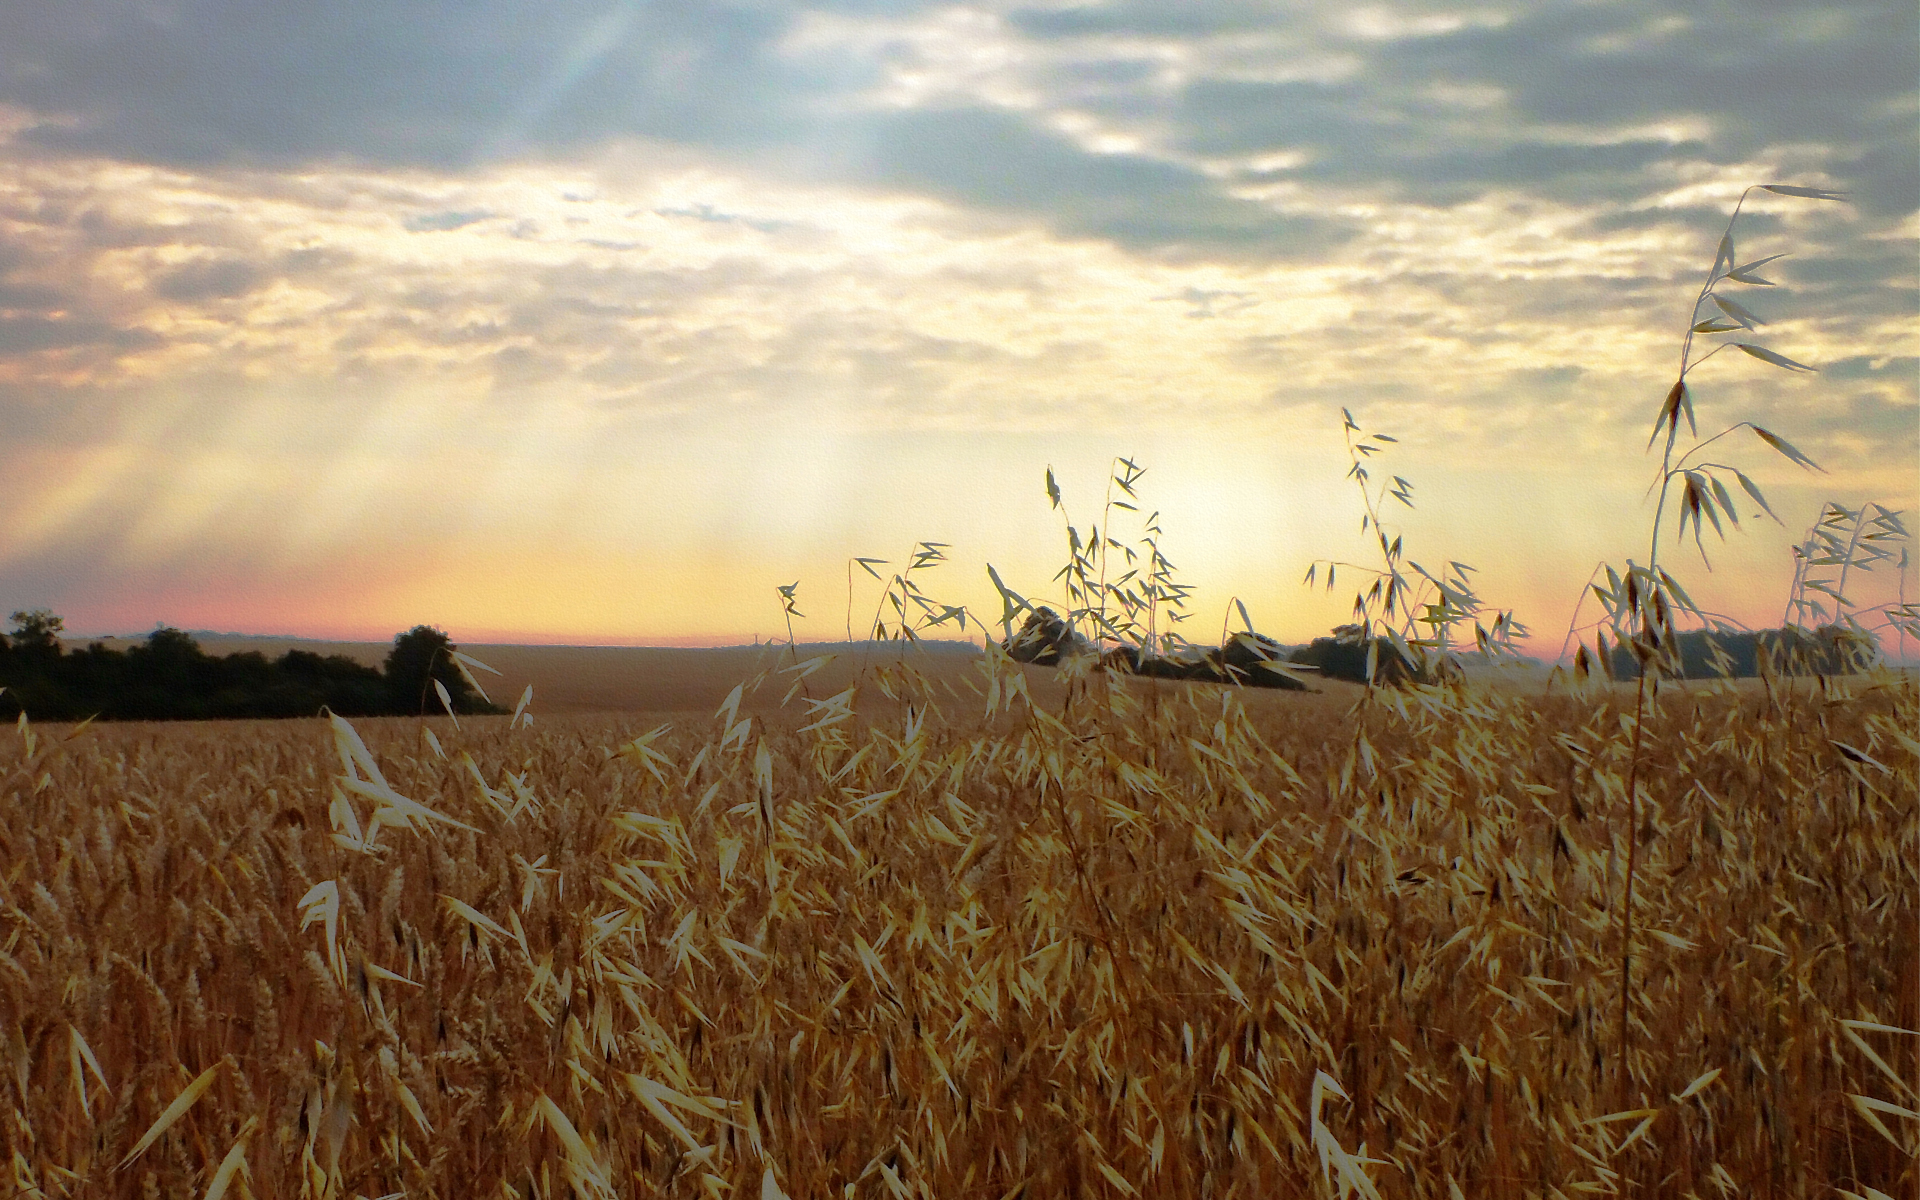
(267, 267)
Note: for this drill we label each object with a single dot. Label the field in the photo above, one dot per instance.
(991, 933)
(594, 679)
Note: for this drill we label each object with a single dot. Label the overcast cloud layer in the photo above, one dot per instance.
(271, 273)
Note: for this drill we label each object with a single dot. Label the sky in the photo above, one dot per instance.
(596, 322)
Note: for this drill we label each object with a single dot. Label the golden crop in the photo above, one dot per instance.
(1154, 940)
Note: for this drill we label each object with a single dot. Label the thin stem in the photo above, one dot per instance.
(1369, 502)
(1853, 543)
(1713, 277)
(1106, 519)
(849, 602)
(1902, 626)
(1633, 862)
(1686, 365)
(1573, 622)
(1698, 447)
(1659, 512)
(1667, 472)
(1803, 559)
(1709, 354)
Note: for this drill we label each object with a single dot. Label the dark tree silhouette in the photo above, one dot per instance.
(169, 677)
(1046, 639)
(420, 656)
(36, 633)
(1744, 654)
(1344, 656)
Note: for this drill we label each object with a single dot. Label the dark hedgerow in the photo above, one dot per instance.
(170, 677)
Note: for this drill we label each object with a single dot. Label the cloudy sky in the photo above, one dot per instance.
(595, 320)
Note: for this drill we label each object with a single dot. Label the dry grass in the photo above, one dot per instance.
(1135, 939)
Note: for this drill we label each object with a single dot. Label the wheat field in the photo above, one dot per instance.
(920, 939)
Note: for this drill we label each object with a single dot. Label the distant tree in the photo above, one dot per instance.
(37, 631)
(31, 663)
(342, 685)
(1344, 656)
(173, 646)
(419, 657)
(168, 677)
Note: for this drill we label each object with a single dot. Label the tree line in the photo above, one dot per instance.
(1744, 654)
(169, 677)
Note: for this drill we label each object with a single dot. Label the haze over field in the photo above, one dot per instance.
(593, 322)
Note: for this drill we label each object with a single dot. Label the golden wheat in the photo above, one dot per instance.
(1144, 940)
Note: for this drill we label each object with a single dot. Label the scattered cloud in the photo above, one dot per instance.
(209, 279)
(328, 240)
(1205, 304)
(442, 222)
